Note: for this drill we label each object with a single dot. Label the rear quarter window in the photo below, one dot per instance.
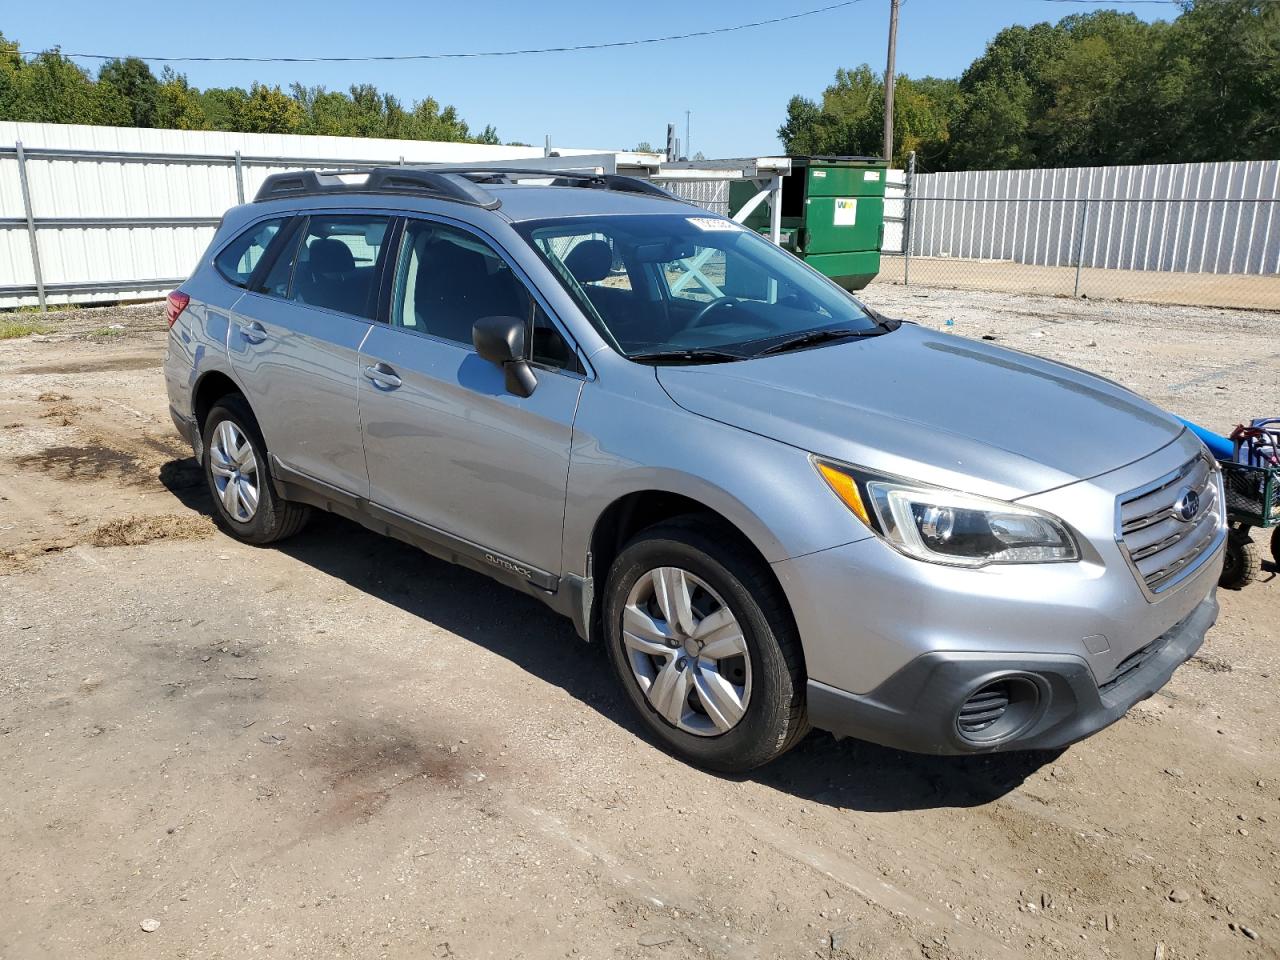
(237, 260)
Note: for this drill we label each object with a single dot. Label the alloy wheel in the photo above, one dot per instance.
(235, 471)
(687, 652)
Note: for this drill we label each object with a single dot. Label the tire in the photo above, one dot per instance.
(270, 518)
(765, 684)
(1275, 546)
(1242, 562)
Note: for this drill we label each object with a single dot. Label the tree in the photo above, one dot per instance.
(643, 147)
(850, 119)
(432, 123)
(178, 104)
(1094, 88)
(132, 90)
(223, 107)
(1225, 76)
(270, 110)
(50, 88)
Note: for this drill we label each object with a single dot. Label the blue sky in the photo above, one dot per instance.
(736, 85)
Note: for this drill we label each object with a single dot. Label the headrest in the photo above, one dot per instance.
(330, 256)
(590, 261)
(450, 262)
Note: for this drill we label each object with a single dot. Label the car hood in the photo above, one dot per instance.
(934, 407)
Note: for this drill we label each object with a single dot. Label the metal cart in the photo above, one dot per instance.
(1253, 502)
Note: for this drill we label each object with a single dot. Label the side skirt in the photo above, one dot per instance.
(547, 587)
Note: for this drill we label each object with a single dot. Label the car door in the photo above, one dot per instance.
(295, 339)
(445, 443)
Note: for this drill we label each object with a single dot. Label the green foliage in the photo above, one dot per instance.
(12, 329)
(178, 104)
(850, 119)
(50, 88)
(1096, 88)
(270, 110)
(130, 92)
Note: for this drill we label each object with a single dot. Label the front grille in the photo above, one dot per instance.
(1161, 545)
(983, 709)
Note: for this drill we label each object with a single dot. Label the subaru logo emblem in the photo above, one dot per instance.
(1187, 505)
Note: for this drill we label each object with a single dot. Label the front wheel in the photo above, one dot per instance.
(1242, 561)
(704, 645)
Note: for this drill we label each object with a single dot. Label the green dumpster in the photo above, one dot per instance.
(832, 215)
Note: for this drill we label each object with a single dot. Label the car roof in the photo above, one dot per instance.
(515, 194)
(527, 201)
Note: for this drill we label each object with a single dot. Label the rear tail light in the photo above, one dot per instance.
(175, 304)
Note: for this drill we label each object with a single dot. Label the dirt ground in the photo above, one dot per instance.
(340, 747)
(1261, 292)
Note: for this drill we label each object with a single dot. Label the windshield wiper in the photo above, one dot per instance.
(685, 356)
(814, 337)
(890, 324)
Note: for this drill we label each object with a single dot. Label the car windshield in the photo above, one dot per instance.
(693, 287)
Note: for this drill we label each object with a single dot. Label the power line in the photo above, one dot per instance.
(463, 56)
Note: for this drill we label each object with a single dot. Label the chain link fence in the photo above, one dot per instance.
(710, 194)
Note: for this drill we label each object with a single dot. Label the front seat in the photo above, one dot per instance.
(590, 261)
(455, 289)
(329, 277)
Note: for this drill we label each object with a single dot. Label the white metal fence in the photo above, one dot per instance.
(111, 213)
(1197, 234)
(1189, 218)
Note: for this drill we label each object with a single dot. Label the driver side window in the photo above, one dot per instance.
(447, 279)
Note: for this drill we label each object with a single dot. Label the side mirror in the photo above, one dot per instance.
(501, 341)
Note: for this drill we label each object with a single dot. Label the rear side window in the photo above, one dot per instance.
(337, 263)
(238, 259)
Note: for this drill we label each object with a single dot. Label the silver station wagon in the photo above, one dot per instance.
(776, 508)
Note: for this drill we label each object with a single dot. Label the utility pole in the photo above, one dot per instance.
(888, 81)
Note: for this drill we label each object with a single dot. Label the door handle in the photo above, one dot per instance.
(382, 376)
(253, 332)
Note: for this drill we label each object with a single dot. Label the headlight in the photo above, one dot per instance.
(945, 526)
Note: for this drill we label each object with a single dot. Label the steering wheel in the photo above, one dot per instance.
(700, 317)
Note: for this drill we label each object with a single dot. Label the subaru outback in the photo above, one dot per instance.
(776, 508)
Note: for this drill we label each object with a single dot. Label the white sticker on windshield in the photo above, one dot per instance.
(846, 211)
(713, 223)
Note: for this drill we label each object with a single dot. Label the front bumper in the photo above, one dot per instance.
(916, 708)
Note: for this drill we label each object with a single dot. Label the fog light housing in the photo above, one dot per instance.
(998, 709)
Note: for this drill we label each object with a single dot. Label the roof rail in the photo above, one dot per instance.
(456, 182)
(564, 178)
(414, 181)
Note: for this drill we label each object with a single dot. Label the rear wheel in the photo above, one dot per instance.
(239, 477)
(1242, 562)
(704, 645)
(1275, 546)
